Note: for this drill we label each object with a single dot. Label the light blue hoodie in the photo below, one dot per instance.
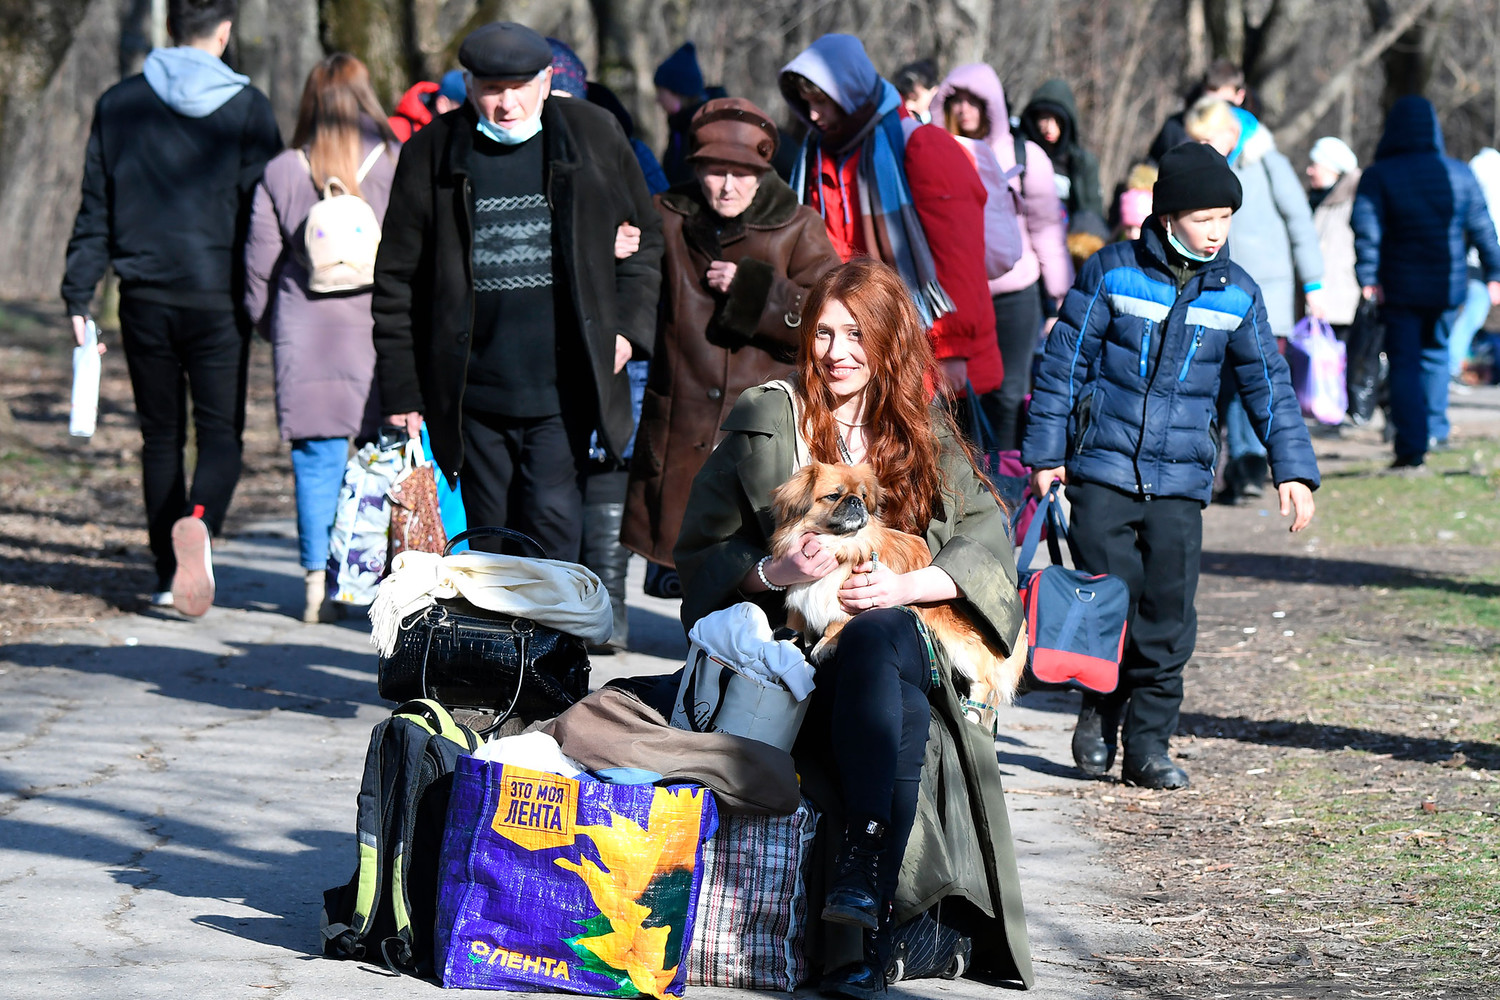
(192, 82)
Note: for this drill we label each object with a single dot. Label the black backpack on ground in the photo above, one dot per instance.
(387, 910)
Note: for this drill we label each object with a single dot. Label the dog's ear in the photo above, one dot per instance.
(874, 495)
(794, 498)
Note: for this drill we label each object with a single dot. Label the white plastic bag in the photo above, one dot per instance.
(360, 539)
(1315, 356)
(86, 365)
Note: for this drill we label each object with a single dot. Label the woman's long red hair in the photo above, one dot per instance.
(900, 441)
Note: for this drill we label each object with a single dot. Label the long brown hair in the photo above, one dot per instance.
(901, 441)
(337, 95)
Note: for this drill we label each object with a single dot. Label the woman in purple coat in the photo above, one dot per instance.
(324, 356)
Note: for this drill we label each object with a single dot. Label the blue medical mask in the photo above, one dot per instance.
(516, 134)
(1184, 251)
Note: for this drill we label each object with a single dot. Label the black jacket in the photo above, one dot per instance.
(423, 301)
(166, 197)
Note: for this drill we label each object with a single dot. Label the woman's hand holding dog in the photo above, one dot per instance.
(807, 562)
(875, 585)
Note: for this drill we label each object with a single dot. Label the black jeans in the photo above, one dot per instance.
(871, 701)
(526, 473)
(1018, 324)
(174, 353)
(1154, 546)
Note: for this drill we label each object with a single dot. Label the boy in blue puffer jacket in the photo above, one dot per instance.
(1124, 412)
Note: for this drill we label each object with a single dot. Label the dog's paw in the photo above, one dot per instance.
(823, 651)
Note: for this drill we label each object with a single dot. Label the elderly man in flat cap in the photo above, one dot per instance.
(501, 313)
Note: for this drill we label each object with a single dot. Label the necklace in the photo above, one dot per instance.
(847, 423)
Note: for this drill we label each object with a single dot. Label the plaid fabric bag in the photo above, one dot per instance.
(752, 903)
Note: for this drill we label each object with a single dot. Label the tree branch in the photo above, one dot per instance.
(1295, 129)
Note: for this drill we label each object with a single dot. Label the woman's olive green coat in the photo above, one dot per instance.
(727, 528)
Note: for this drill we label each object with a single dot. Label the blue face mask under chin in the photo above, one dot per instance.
(1184, 251)
(514, 136)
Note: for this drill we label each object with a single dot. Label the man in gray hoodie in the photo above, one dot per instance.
(172, 162)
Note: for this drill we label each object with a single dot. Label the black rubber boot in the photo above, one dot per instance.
(603, 553)
(854, 895)
(1094, 738)
(1154, 771)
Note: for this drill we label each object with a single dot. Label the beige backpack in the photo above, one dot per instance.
(342, 235)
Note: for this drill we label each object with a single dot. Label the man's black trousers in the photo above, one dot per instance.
(526, 473)
(175, 353)
(1153, 545)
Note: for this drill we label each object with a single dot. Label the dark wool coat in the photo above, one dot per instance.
(1417, 212)
(423, 301)
(713, 346)
(1126, 393)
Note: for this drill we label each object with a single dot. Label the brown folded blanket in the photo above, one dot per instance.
(614, 728)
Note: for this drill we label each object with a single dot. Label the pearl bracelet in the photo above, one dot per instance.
(760, 571)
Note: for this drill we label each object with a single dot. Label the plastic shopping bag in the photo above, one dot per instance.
(1316, 358)
(358, 544)
(86, 368)
(556, 884)
(416, 517)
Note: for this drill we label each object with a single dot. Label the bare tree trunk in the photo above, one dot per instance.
(1226, 29)
(1296, 129)
(1197, 41)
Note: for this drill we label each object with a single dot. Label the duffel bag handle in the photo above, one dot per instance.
(492, 532)
(1049, 512)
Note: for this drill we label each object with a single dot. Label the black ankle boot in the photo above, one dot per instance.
(1094, 739)
(868, 977)
(854, 895)
(1154, 771)
(603, 553)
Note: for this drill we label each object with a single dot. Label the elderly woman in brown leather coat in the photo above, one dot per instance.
(741, 254)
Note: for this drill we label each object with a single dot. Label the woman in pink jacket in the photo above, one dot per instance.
(971, 103)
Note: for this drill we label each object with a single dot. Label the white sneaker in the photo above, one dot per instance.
(193, 583)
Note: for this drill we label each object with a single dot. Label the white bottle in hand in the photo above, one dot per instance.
(85, 383)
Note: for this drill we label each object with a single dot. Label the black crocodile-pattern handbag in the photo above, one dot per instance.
(469, 658)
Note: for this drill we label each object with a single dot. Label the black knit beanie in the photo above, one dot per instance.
(1191, 176)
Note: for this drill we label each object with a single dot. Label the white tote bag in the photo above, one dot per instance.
(715, 697)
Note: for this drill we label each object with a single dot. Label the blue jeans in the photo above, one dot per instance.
(1416, 342)
(1471, 316)
(1239, 432)
(318, 470)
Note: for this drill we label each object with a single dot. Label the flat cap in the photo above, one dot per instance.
(504, 51)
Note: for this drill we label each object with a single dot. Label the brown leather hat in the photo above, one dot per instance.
(733, 130)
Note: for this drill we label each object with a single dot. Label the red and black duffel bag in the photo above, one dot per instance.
(1075, 620)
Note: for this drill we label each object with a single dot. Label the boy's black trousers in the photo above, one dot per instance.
(1154, 546)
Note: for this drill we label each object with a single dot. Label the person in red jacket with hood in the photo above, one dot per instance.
(905, 193)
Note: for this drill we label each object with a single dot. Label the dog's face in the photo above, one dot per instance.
(828, 499)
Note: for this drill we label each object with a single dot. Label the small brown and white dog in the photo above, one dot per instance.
(841, 504)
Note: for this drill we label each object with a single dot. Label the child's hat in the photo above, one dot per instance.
(1191, 176)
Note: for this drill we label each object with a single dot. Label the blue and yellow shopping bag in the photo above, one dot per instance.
(557, 884)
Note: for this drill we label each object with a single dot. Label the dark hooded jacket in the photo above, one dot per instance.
(423, 299)
(1417, 212)
(1126, 393)
(1069, 158)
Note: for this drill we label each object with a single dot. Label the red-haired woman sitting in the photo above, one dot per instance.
(863, 393)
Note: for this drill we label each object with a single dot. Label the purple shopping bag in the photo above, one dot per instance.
(557, 884)
(1316, 359)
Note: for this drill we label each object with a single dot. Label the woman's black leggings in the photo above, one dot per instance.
(872, 698)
